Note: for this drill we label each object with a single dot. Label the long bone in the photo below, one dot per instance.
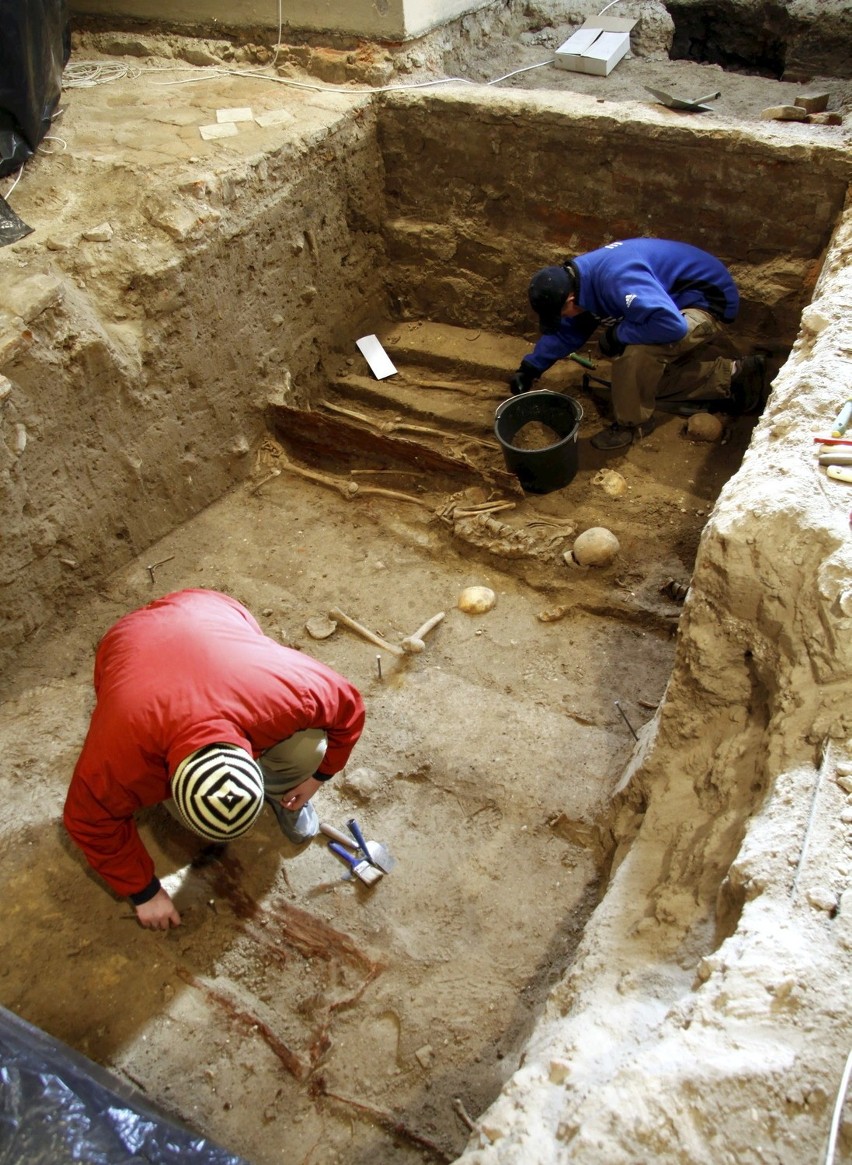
(413, 644)
(364, 632)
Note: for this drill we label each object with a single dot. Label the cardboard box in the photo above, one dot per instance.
(597, 47)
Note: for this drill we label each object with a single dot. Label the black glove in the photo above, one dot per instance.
(523, 379)
(610, 345)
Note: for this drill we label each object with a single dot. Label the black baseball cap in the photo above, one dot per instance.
(549, 289)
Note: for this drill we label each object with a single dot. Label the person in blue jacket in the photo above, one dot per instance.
(662, 306)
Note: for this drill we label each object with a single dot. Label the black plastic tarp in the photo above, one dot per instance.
(34, 49)
(58, 1108)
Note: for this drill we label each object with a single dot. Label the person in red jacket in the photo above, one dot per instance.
(197, 708)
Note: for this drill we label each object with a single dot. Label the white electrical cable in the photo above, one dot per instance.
(86, 74)
(52, 138)
(349, 89)
(838, 1109)
(14, 184)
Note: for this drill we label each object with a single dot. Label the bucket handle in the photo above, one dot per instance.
(498, 412)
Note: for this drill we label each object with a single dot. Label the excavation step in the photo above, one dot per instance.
(466, 352)
(458, 405)
(445, 376)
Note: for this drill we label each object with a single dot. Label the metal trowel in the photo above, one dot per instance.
(376, 852)
(360, 867)
(696, 106)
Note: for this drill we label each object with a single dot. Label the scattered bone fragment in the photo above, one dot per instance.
(320, 627)
(597, 546)
(99, 234)
(611, 482)
(476, 600)
(553, 614)
(414, 644)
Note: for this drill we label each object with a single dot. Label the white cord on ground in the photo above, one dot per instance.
(14, 184)
(838, 1109)
(53, 138)
(346, 89)
(86, 74)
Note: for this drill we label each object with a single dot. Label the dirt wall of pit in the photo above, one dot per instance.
(136, 374)
(705, 1019)
(480, 194)
(137, 367)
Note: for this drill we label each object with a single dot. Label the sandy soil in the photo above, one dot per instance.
(297, 1012)
(295, 1007)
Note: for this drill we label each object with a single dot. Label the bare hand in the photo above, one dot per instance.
(297, 798)
(158, 913)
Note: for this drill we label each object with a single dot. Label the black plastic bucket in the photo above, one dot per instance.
(540, 470)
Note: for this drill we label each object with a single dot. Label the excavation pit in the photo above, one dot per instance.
(173, 390)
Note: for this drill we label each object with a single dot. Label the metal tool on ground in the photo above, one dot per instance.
(696, 106)
(374, 850)
(413, 644)
(361, 868)
(626, 721)
(582, 360)
(338, 835)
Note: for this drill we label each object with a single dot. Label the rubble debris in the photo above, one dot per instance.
(783, 113)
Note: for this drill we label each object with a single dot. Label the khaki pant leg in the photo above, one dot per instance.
(647, 372)
(293, 760)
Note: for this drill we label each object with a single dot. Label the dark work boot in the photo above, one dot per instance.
(748, 387)
(620, 436)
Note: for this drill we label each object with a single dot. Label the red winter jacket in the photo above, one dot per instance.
(189, 669)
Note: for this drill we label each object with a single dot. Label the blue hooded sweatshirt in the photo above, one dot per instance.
(641, 286)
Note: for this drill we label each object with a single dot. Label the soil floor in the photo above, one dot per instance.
(297, 1014)
(294, 1007)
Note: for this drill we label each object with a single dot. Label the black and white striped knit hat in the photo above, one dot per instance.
(218, 791)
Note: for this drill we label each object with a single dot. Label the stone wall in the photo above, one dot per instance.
(481, 194)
